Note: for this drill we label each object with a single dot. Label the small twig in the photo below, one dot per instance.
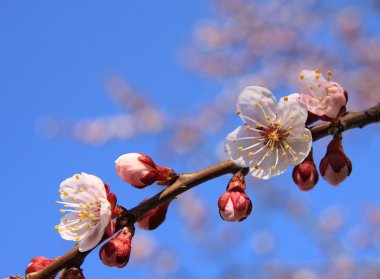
(186, 181)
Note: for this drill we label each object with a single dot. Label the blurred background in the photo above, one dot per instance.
(82, 82)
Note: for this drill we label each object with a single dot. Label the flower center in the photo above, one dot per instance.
(84, 214)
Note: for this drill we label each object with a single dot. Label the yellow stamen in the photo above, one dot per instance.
(257, 105)
(250, 154)
(273, 167)
(62, 211)
(247, 127)
(287, 147)
(77, 176)
(267, 117)
(311, 87)
(292, 116)
(56, 227)
(286, 98)
(317, 71)
(302, 76)
(317, 76)
(295, 159)
(240, 148)
(238, 111)
(255, 166)
(283, 154)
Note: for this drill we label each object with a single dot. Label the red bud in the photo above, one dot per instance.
(116, 252)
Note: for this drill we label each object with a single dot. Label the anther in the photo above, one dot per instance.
(238, 111)
(240, 148)
(302, 76)
(286, 98)
(255, 166)
(295, 159)
(250, 154)
(257, 105)
(273, 167)
(267, 118)
(61, 211)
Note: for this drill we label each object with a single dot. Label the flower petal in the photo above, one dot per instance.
(255, 104)
(301, 146)
(240, 143)
(292, 111)
(91, 240)
(311, 83)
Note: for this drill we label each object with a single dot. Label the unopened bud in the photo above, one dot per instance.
(335, 166)
(305, 175)
(37, 264)
(153, 218)
(140, 171)
(234, 206)
(116, 252)
(72, 273)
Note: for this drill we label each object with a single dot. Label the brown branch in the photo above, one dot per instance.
(187, 181)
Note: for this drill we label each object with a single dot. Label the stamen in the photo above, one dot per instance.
(238, 111)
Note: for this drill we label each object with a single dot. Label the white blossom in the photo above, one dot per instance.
(87, 209)
(274, 135)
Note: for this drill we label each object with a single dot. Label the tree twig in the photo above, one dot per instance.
(187, 181)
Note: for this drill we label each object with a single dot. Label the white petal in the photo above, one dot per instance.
(241, 139)
(255, 103)
(95, 184)
(292, 112)
(91, 240)
(308, 79)
(301, 146)
(265, 170)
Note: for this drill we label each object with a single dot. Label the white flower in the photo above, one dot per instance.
(85, 199)
(274, 135)
(327, 99)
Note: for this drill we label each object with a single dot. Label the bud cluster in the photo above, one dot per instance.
(335, 167)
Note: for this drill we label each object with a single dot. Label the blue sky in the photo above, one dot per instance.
(54, 58)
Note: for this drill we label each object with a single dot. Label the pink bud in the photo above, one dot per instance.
(116, 252)
(72, 273)
(335, 166)
(305, 175)
(140, 171)
(234, 206)
(153, 218)
(37, 264)
(136, 169)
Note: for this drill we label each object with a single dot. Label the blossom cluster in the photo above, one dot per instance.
(275, 135)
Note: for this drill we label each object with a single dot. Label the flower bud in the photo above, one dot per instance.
(305, 175)
(140, 171)
(335, 166)
(153, 218)
(72, 273)
(38, 263)
(116, 252)
(234, 206)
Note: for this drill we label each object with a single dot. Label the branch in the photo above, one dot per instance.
(186, 181)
